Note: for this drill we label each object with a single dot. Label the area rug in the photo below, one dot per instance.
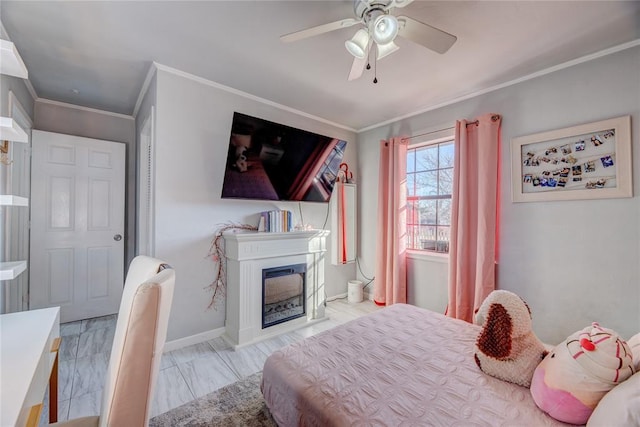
(238, 404)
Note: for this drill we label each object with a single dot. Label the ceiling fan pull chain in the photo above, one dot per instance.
(375, 67)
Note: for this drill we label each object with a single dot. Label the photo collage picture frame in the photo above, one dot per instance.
(588, 161)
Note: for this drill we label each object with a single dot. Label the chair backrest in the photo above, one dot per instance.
(142, 268)
(141, 330)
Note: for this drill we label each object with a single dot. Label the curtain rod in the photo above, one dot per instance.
(441, 130)
(476, 122)
(429, 133)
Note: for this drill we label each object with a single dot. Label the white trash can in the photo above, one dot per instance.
(354, 291)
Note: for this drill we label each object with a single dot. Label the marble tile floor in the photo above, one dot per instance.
(185, 374)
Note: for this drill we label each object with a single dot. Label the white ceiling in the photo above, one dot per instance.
(104, 50)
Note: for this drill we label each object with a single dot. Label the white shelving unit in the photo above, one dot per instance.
(11, 270)
(11, 63)
(10, 130)
(9, 200)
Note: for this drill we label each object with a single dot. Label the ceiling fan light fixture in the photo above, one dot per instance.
(384, 29)
(357, 46)
(386, 50)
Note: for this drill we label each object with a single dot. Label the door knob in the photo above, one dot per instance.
(117, 237)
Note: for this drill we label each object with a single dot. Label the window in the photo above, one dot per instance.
(429, 187)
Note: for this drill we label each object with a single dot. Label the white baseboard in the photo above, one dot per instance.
(365, 295)
(335, 297)
(215, 333)
(193, 339)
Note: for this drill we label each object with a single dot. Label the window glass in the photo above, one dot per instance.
(446, 155)
(426, 183)
(429, 188)
(411, 161)
(428, 212)
(445, 181)
(427, 159)
(411, 184)
(444, 212)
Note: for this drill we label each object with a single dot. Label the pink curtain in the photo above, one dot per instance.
(391, 265)
(474, 215)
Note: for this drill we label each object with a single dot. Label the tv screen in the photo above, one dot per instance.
(270, 161)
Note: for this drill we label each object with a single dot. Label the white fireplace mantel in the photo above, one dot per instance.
(247, 254)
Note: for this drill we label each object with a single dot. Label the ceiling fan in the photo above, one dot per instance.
(380, 29)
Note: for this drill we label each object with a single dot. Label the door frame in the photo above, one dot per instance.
(145, 203)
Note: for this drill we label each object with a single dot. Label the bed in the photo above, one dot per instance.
(401, 365)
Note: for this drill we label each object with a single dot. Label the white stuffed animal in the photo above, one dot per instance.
(507, 348)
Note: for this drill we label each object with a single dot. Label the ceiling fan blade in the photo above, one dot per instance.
(400, 3)
(425, 35)
(320, 29)
(357, 68)
(359, 64)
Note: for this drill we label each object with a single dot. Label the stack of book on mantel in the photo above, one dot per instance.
(276, 221)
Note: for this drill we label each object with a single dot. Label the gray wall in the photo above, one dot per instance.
(192, 136)
(574, 262)
(72, 120)
(19, 89)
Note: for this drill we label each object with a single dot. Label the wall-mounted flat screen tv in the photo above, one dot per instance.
(270, 161)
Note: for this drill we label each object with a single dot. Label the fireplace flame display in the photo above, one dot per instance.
(283, 294)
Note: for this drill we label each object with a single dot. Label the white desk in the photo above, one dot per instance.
(26, 361)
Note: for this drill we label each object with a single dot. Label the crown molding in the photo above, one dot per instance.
(549, 70)
(31, 89)
(145, 87)
(248, 96)
(81, 108)
(3, 30)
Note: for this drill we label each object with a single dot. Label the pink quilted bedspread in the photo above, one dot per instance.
(400, 366)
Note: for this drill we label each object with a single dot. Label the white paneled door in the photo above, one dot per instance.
(77, 225)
